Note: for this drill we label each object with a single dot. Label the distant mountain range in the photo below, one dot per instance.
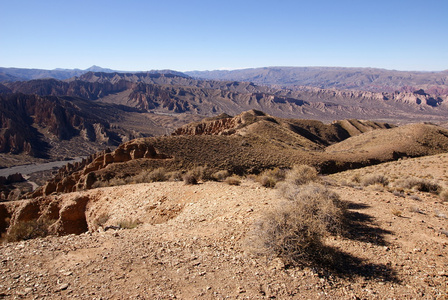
(363, 79)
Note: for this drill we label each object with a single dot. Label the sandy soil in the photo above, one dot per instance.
(191, 244)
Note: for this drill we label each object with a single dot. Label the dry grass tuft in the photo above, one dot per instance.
(102, 219)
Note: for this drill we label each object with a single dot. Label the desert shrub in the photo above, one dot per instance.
(174, 176)
(444, 195)
(419, 184)
(158, 174)
(287, 190)
(190, 178)
(269, 178)
(267, 181)
(301, 174)
(375, 179)
(100, 184)
(220, 175)
(356, 178)
(202, 173)
(233, 180)
(25, 230)
(117, 181)
(128, 224)
(295, 230)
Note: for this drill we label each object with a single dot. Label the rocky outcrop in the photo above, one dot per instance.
(81, 175)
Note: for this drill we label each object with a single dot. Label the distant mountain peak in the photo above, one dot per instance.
(96, 68)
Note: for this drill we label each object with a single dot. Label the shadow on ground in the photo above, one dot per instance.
(332, 261)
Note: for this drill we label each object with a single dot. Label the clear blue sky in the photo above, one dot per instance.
(206, 35)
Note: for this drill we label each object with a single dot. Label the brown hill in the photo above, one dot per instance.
(407, 140)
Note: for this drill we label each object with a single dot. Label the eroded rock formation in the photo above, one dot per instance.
(81, 175)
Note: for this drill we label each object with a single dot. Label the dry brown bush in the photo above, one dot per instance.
(174, 176)
(202, 173)
(295, 230)
(375, 179)
(269, 178)
(102, 219)
(128, 224)
(25, 230)
(158, 174)
(301, 174)
(444, 195)
(233, 180)
(220, 175)
(419, 184)
(190, 178)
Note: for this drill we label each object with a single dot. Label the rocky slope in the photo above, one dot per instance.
(192, 242)
(31, 124)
